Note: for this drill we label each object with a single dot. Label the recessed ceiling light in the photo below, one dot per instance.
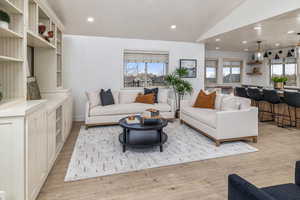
(90, 19)
(173, 26)
(291, 32)
(246, 49)
(277, 44)
(217, 48)
(258, 28)
(218, 40)
(244, 42)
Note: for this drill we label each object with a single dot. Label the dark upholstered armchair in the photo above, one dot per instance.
(240, 189)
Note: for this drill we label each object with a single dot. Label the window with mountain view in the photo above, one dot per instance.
(145, 69)
(232, 71)
(286, 67)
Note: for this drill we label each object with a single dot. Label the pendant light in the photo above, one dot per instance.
(289, 54)
(258, 55)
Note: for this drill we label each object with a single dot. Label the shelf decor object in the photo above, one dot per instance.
(279, 82)
(4, 19)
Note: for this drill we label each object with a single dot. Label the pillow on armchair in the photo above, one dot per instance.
(205, 100)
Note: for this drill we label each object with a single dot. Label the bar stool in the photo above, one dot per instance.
(272, 97)
(256, 96)
(292, 99)
(240, 92)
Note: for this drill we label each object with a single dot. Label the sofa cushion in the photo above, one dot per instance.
(206, 116)
(163, 95)
(245, 103)
(106, 97)
(218, 101)
(230, 103)
(93, 98)
(152, 91)
(205, 100)
(126, 97)
(123, 109)
(284, 192)
(145, 98)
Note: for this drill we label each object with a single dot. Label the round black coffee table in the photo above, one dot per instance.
(142, 136)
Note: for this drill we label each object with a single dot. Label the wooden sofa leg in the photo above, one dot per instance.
(181, 122)
(255, 139)
(86, 127)
(218, 143)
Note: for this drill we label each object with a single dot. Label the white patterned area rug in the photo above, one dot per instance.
(98, 152)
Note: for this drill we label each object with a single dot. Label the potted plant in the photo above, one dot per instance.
(279, 82)
(4, 19)
(180, 87)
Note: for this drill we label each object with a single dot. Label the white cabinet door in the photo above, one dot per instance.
(37, 164)
(51, 134)
(12, 162)
(67, 121)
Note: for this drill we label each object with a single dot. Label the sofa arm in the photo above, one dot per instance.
(297, 173)
(227, 126)
(240, 189)
(172, 104)
(87, 110)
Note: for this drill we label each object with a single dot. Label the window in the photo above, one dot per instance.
(211, 70)
(285, 67)
(145, 69)
(232, 71)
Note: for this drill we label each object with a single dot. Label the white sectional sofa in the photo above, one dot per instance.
(124, 106)
(233, 119)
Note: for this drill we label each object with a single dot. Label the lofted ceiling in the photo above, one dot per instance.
(273, 34)
(143, 19)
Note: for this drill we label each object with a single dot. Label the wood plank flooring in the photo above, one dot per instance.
(206, 180)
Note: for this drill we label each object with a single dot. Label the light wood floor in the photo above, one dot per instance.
(206, 180)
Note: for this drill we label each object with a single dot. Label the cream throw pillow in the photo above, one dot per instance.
(230, 103)
(93, 98)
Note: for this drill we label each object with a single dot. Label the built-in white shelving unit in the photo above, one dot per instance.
(12, 51)
(23, 31)
(32, 132)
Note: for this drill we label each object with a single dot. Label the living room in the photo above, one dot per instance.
(147, 99)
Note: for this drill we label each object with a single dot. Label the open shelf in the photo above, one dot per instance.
(35, 40)
(10, 7)
(10, 59)
(4, 32)
(255, 63)
(254, 74)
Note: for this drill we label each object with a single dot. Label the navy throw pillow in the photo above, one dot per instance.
(150, 91)
(106, 97)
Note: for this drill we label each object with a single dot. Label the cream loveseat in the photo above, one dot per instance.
(232, 119)
(124, 106)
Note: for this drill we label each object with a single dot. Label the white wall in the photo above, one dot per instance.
(97, 62)
(261, 80)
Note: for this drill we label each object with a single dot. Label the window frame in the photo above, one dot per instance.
(240, 67)
(142, 51)
(205, 71)
(283, 63)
